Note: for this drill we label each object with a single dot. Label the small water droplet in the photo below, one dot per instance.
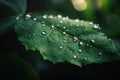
(85, 58)
(17, 17)
(74, 56)
(58, 25)
(81, 43)
(50, 17)
(64, 33)
(100, 53)
(64, 41)
(90, 23)
(77, 20)
(75, 38)
(64, 27)
(93, 40)
(34, 19)
(28, 16)
(43, 33)
(33, 34)
(61, 47)
(61, 21)
(59, 16)
(64, 18)
(45, 16)
(77, 24)
(52, 26)
(95, 26)
(80, 50)
(43, 25)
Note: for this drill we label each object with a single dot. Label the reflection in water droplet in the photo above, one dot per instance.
(74, 56)
(43, 33)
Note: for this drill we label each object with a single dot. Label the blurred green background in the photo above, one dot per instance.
(17, 63)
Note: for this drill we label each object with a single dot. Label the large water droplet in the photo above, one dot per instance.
(28, 16)
(74, 56)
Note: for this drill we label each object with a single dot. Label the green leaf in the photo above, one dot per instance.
(60, 39)
(9, 9)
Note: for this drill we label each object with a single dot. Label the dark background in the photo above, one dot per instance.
(28, 65)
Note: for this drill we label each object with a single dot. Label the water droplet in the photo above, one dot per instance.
(17, 17)
(45, 16)
(58, 25)
(64, 41)
(61, 21)
(77, 24)
(75, 38)
(90, 23)
(28, 16)
(81, 43)
(85, 58)
(52, 26)
(64, 18)
(74, 56)
(95, 26)
(64, 32)
(80, 50)
(61, 47)
(64, 27)
(77, 20)
(93, 40)
(43, 25)
(43, 33)
(43, 22)
(34, 19)
(59, 16)
(33, 34)
(100, 53)
(50, 17)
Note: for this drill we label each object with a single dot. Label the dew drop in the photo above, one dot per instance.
(52, 26)
(61, 47)
(43, 33)
(81, 43)
(85, 58)
(64, 33)
(59, 16)
(33, 34)
(61, 21)
(17, 17)
(45, 16)
(100, 53)
(95, 26)
(90, 23)
(64, 41)
(93, 40)
(80, 50)
(28, 16)
(74, 56)
(64, 27)
(34, 19)
(50, 17)
(64, 18)
(77, 20)
(43, 25)
(75, 38)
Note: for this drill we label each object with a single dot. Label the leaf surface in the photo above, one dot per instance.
(60, 39)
